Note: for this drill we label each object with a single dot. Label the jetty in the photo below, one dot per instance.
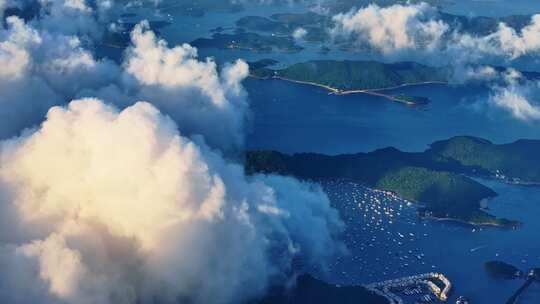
(387, 288)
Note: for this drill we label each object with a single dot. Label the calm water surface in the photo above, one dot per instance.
(492, 7)
(387, 240)
(298, 118)
(384, 236)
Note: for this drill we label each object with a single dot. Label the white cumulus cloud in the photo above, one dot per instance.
(391, 29)
(505, 42)
(418, 32)
(119, 207)
(43, 69)
(299, 33)
(198, 97)
(518, 100)
(113, 200)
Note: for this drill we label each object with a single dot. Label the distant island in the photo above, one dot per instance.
(315, 25)
(368, 77)
(314, 291)
(198, 8)
(437, 179)
(285, 23)
(121, 38)
(248, 41)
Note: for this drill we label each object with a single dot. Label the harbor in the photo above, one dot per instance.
(387, 240)
(429, 287)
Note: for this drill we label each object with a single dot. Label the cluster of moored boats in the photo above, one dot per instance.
(378, 219)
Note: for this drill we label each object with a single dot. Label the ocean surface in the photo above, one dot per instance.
(292, 117)
(386, 240)
(492, 8)
(384, 236)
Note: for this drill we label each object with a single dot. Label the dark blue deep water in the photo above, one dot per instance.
(292, 117)
(386, 240)
(384, 235)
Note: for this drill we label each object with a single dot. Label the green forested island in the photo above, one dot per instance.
(368, 77)
(316, 25)
(358, 75)
(314, 291)
(263, 24)
(515, 162)
(437, 179)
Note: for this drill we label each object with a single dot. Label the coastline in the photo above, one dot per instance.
(517, 183)
(373, 92)
(418, 205)
(474, 224)
(507, 181)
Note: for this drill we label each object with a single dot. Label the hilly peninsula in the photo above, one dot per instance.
(438, 179)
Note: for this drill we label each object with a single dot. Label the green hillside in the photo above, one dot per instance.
(516, 161)
(437, 178)
(360, 75)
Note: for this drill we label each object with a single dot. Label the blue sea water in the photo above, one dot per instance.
(292, 118)
(384, 236)
(386, 240)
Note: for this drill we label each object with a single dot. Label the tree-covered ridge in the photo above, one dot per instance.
(444, 194)
(516, 162)
(436, 178)
(358, 75)
(421, 184)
